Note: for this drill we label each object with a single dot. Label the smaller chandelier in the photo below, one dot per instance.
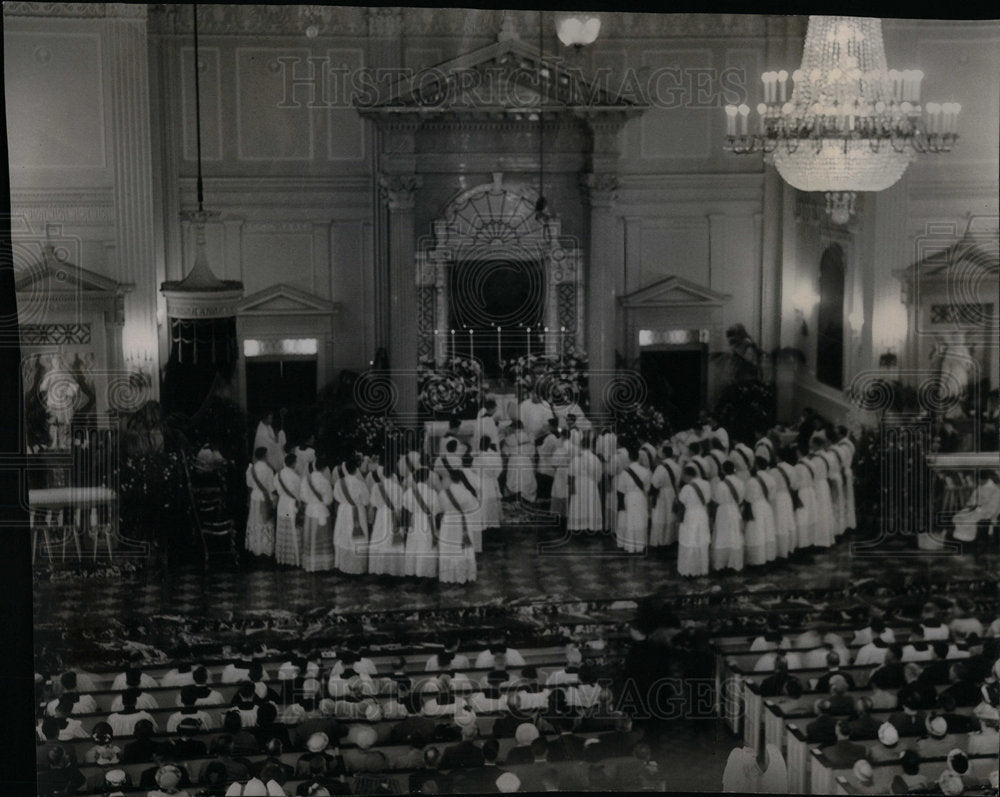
(578, 30)
(843, 122)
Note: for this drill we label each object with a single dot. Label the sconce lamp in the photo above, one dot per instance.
(856, 320)
(577, 29)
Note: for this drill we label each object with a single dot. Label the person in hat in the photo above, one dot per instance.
(935, 742)
(950, 783)
(104, 752)
(429, 779)
(822, 730)
(168, 782)
(60, 775)
(507, 783)
(887, 747)
(864, 777)
(863, 726)
(694, 534)
(362, 758)
(115, 780)
(464, 754)
(985, 740)
(844, 752)
(989, 707)
(318, 746)
(521, 753)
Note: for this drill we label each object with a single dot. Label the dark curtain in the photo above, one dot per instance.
(201, 352)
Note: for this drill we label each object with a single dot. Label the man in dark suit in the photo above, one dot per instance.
(833, 668)
(430, 780)
(911, 720)
(889, 674)
(935, 672)
(567, 746)
(465, 754)
(822, 730)
(774, 684)
(863, 726)
(961, 687)
(843, 753)
(482, 780)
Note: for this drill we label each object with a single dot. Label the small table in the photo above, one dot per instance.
(54, 502)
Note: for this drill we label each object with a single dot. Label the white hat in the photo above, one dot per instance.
(373, 712)
(364, 736)
(327, 707)
(260, 689)
(937, 727)
(508, 782)
(887, 734)
(863, 772)
(274, 789)
(317, 743)
(525, 734)
(950, 783)
(464, 719)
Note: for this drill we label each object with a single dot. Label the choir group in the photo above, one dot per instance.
(408, 513)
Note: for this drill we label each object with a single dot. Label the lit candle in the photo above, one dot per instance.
(453, 343)
(782, 84)
(499, 355)
(472, 350)
(730, 120)
(744, 113)
(529, 341)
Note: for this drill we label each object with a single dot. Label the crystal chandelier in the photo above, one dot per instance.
(850, 124)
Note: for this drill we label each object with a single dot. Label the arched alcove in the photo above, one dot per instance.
(487, 236)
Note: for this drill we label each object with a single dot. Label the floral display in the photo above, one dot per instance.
(452, 388)
(745, 409)
(559, 379)
(641, 422)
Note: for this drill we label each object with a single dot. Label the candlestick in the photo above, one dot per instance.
(499, 354)
(453, 344)
(472, 350)
(529, 341)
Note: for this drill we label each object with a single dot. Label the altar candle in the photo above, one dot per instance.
(472, 351)
(499, 354)
(453, 344)
(529, 341)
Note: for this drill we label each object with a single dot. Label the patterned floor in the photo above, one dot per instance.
(522, 560)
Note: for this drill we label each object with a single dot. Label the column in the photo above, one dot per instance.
(127, 66)
(604, 268)
(398, 192)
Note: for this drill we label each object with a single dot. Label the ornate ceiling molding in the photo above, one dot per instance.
(260, 20)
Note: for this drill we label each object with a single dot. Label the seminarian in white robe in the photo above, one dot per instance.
(486, 427)
(456, 551)
(422, 507)
(805, 515)
(317, 535)
(387, 547)
(350, 532)
(583, 485)
(633, 516)
(824, 530)
(520, 447)
(662, 520)
(534, 415)
(287, 543)
(693, 534)
(260, 521)
(273, 442)
(488, 465)
(727, 536)
(782, 475)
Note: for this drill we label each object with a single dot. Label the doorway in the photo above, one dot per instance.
(276, 383)
(676, 382)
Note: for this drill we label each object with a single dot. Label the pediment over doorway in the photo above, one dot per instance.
(284, 299)
(506, 76)
(674, 292)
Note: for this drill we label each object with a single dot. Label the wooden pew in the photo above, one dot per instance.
(979, 768)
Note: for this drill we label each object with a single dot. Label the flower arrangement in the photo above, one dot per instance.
(641, 422)
(746, 408)
(559, 379)
(453, 388)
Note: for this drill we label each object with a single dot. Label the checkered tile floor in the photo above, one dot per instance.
(526, 558)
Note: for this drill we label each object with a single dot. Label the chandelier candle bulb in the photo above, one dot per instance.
(730, 120)
(744, 113)
(782, 84)
(762, 111)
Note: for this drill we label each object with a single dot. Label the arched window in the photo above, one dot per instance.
(830, 333)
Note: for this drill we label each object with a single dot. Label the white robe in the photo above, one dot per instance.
(805, 516)
(287, 541)
(260, 520)
(781, 504)
(759, 532)
(351, 554)
(317, 537)
(824, 507)
(835, 482)
(742, 775)
(385, 555)
(421, 554)
(305, 460)
(521, 466)
(633, 520)
(488, 465)
(727, 536)
(693, 535)
(274, 443)
(662, 520)
(583, 485)
(486, 426)
(456, 554)
(534, 417)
